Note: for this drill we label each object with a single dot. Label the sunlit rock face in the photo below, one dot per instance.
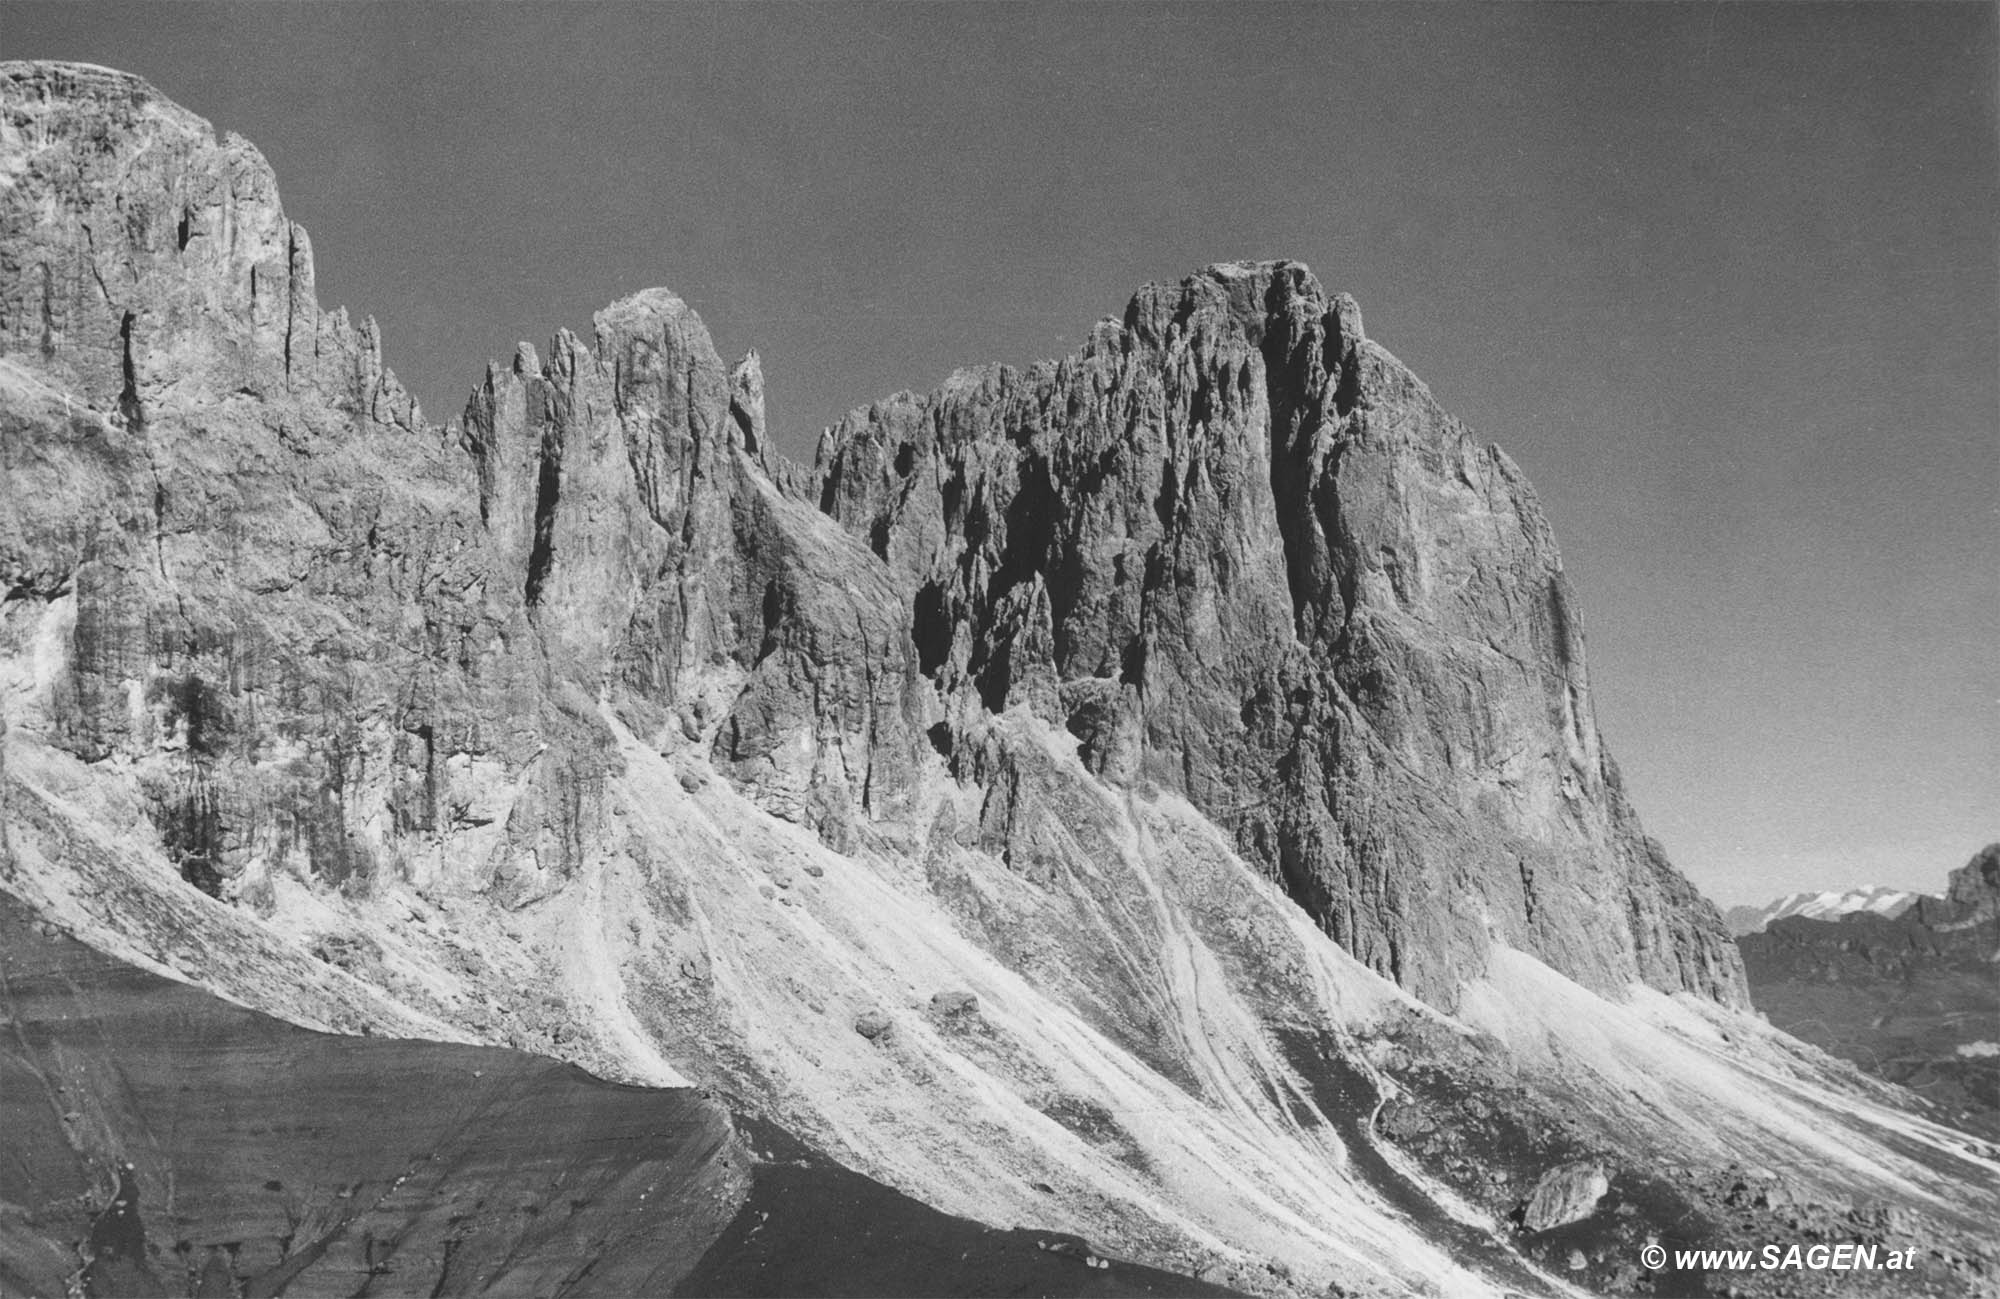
(1076, 799)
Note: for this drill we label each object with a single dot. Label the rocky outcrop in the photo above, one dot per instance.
(1972, 894)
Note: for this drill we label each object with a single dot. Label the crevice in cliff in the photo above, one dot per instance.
(1560, 625)
(930, 627)
(1030, 519)
(48, 313)
(1340, 559)
(96, 274)
(777, 610)
(993, 677)
(1292, 491)
(129, 407)
(190, 826)
(291, 295)
(1347, 388)
(548, 488)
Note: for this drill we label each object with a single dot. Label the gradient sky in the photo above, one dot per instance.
(1724, 279)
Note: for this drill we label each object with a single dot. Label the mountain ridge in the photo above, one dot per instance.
(1296, 613)
(1087, 795)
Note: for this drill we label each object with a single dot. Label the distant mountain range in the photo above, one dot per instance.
(1903, 985)
(1877, 899)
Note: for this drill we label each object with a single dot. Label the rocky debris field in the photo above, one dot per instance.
(1585, 1208)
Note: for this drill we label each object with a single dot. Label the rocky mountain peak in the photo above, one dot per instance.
(1238, 551)
(1975, 887)
(746, 403)
(158, 256)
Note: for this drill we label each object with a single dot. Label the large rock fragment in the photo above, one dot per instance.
(1566, 1194)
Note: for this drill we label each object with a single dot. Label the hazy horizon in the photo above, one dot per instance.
(1725, 280)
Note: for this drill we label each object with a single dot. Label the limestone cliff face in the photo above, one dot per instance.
(333, 638)
(1232, 546)
(1238, 551)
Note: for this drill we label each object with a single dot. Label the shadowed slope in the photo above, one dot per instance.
(234, 1153)
(250, 1153)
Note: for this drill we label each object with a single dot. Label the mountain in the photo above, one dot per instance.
(1876, 899)
(1912, 996)
(1152, 796)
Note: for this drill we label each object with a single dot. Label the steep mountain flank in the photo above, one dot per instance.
(1083, 800)
(1913, 997)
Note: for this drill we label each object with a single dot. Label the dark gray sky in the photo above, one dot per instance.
(1725, 280)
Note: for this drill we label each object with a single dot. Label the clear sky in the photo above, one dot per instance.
(1724, 278)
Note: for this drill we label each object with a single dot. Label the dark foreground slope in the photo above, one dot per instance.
(161, 1141)
(1914, 998)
